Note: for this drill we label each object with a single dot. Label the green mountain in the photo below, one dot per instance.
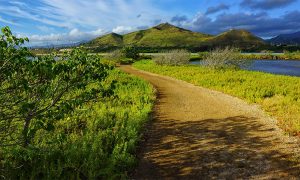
(166, 36)
(111, 39)
(238, 38)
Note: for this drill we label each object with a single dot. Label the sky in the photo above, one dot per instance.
(47, 22)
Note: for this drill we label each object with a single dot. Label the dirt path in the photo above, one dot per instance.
(198, 133)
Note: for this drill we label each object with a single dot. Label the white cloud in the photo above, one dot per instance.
(78, 13)
(19, 12)
(123, 29)
(53, 16)
(73, 36)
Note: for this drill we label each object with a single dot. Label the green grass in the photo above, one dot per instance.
(96, 141)
(278, 95)
(285, 56)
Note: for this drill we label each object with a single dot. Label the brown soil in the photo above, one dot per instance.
(197, 133)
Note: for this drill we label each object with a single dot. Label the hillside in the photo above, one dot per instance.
(238, 38)
(111, 39)
(165, 35)
(288, 39)
(168, 36)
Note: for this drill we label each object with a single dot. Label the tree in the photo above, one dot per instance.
(36, 92)
(130, 52)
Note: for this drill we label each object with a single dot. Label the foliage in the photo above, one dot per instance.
(68, 117)
(34, 91)
(203, 55)
(130, 52)
(278, 95)
(273, 56)
(291, 55)
(127, 55)
(95, 141)
(225, 58)
(173, 57)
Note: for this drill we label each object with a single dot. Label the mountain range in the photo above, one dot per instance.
(286, 39)
(164, 36)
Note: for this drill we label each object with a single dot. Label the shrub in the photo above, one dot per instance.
(130, 52)
(115, 55)
(202, 55)
(173, 57)
(225, 58)
(67, 117)
(126, 55)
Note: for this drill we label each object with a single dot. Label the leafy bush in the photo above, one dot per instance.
(35, 91)
(127, 55)
(68, 117)
(95, 141)
(225, 58)
(173, 57)
(130, 52)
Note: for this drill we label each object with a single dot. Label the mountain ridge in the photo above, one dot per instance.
(288, 39)
(166, 35)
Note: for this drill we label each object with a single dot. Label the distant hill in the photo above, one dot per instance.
(111, 39)
(286, 39)
(237, 38)
(168, 36)
(165, 35)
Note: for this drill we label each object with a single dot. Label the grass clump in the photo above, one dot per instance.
(278, 95)
(173, 57)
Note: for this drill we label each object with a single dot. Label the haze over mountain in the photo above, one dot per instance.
(169, 36)
(288, 39)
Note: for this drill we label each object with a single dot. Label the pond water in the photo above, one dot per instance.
(283, 67)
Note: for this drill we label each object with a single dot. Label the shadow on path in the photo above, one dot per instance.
(197, 133)
(212, 148)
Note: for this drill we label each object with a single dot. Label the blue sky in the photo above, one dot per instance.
(66, 21)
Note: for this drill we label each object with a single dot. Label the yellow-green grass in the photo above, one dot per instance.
(286, 56)
(278, 95)
(97, 141)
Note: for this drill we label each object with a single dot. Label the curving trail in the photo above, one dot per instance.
(197, 133)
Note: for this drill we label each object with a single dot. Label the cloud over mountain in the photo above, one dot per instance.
(259, 23)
